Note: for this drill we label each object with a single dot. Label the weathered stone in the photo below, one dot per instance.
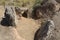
(45, 32)
(47, 9)
(9, 17)
(23, 12)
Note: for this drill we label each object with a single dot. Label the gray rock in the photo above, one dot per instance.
(9, 16)
(46, 31)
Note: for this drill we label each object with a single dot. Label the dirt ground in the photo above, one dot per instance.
(56, 20)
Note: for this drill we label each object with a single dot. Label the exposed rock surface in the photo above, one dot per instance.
(47, 9)
(23, 12)
(41, 33)
(45, 32)
(9, 17)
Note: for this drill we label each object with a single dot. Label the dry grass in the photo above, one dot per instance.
(17, 2)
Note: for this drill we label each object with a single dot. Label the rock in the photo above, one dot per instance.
(47, 9)
(45, 32)
(23, 12)
(44, 11)
(9, 17)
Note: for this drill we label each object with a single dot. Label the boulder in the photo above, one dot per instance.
(45, 32)
(9, 17)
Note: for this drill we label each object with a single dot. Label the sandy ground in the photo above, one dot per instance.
(27, 28)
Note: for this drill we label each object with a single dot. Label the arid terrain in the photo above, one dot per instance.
(25, 28)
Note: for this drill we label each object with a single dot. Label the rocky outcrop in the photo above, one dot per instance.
(47, 9)
(9, 17)
(45, 32)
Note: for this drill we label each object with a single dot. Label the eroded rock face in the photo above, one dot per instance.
(9, 16)
(44, 11)
(46, 31)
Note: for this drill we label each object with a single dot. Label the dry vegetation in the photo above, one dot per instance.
(17, 2)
